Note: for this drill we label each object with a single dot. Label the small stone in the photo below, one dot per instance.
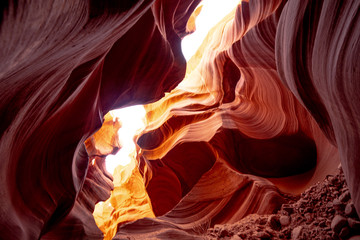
(301, 210)
(350, 210)
(287, 208)
(262, 221)
(263, 235)
(216, 228)
(329, 178)
(236, 237)
(322, 224)
(296, 233)
(225, 233)
(243, 235)
(344, 232)
(274, 222)
(356, 237)
(309, 217)
(354, 224)
(324, 214)
(329, 205)
(338, 223)
(285, 220)
(302, 202)
(338, 206)
(344, 197)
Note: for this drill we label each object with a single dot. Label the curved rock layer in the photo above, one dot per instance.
(63, 66)
(320, 65)
(265, 100)
(233, 111)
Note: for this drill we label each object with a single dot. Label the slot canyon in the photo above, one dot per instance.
(255, 136)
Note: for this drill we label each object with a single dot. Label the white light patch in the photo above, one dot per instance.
(132, 121)
(212, 12)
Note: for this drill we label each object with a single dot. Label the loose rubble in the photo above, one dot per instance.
(324, 211)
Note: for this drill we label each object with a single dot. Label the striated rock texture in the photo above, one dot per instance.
(63, 66)
(317, 214)
(266, 108)
(317, 47)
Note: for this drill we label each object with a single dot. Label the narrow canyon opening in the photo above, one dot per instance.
(162, 154)
(129, 199)
(181, 119)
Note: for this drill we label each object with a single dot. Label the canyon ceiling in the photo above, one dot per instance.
(267, 106)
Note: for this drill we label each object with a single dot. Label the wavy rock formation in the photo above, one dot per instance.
(232, 107)
(266, 107)
(63, 66)
(320, 66)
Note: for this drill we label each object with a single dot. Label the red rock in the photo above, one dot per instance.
(274, 223)
(69, 74)
(344, 197)
(243, 235)
(338, 223)
(350, 210)
(263, 235)
(329, 106)
(236, 237)
(309, 217)
(285, 220)
(287, 208)
(296, 233)
(272, 110)
(344, 233)
(357, 237)
(338, 206)
(225, 233)
(354, 224)
(322, 224)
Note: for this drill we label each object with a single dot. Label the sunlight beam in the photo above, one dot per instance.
(212, 12)
(132, 121)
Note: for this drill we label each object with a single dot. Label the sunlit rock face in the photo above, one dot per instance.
(265, 108)
(64, 66)
(320, 65)
(231, 118)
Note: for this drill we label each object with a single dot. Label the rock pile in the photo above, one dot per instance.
(324, 211)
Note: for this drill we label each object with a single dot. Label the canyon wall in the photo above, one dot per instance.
(63, 66)
(266, 107)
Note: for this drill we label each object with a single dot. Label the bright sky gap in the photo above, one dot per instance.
(132, 118)
(212, 12)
